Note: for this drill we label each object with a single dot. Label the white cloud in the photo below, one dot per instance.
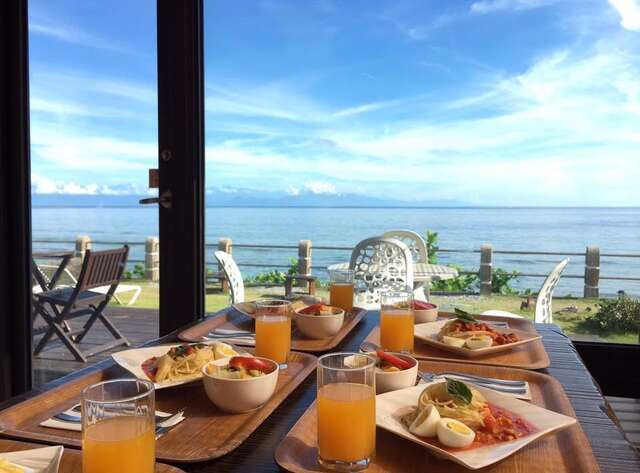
(629, 11)
(71, 35)
(320, 187)
(70, 149)
(490, 6)
(43, 185)
(281, 101)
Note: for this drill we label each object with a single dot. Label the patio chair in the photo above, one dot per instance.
(121, 289)
(419, 253)
(544, 310)
(380, 264)
(233, 276)
(99, 268)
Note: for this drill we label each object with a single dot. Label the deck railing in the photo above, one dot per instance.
(304, 253)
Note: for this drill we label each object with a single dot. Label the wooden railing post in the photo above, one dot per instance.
(591, 271)
(152, 258)
(486, 263)
(83, 243)
(224, 244)
(304, 258)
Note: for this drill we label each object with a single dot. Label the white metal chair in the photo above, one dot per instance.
(419, 253)
(233, 276)
(380, 264)
(544, 310)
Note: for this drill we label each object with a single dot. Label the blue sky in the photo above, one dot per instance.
(490, 102)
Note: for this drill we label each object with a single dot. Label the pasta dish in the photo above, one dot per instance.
(184, 361)
(454, 415)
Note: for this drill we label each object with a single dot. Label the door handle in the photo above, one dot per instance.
(165, 199)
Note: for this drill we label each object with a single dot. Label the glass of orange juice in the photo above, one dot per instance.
(396, 320)
(273, 330)
(346, 407)
(118, 427)
(341, 289)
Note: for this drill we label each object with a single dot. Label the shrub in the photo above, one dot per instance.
(136, 273)
(501, 281)
(616, 315)
(500, 278)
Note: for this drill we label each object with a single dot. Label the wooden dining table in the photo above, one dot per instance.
(613, 453)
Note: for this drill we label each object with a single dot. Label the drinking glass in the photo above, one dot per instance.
(346, 411)
(396, 320)
(273, 330)
(341, 289)
(118, 427)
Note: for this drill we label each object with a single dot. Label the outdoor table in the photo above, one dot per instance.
(422, 272)
(65, 258)
(255, 455)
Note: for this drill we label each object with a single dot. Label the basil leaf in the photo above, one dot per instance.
(459, 391)
(464, 316)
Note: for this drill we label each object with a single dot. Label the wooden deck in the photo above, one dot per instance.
(138, 325)
(627, 412)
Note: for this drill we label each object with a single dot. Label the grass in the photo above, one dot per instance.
(571, 322)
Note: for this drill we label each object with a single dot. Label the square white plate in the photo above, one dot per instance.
(428, 333)
(131, 360)
(392, 405)
(37, 460)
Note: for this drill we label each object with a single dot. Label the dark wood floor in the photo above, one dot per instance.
(138, 325)
(627, 411)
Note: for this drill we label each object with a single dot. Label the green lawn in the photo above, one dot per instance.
(571, 322)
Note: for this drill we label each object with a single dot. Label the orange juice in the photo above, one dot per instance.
(273, 337)
(346, 422)
(396, 329)
(341, 295)
(133, 452)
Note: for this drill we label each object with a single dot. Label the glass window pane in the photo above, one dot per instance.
(93, 137)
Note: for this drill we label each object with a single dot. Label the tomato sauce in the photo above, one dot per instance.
(500, 425)
(149, 368)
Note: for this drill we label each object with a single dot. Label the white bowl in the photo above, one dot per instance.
(394, 380)
(239, 395)
(320, 326)
(426, 315)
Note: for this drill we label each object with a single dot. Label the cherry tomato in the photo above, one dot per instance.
(249, 363)
(394, 360)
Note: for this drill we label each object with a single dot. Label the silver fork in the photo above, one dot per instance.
(503, 385)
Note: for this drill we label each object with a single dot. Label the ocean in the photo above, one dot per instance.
(614, 230)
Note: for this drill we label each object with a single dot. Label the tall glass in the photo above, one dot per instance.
(118, 427)
(341, 289)
(273, 330)
(396, 320)
(346, 411)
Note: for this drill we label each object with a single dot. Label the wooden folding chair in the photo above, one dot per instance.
(99, 268)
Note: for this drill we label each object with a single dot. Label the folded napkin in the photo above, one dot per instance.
(232, 336)
(54, 423)
(37, 460)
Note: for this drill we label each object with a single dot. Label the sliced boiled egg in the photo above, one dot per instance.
(426, 424)
(455, 434)
(223, 350)
(479, 341)
(453, 341)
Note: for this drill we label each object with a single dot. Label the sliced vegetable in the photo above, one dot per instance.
(464, 316)
(393, 360)
(422, 305)
(249, 363)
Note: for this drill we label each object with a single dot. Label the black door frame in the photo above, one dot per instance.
(181, 161)
(15, 201)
